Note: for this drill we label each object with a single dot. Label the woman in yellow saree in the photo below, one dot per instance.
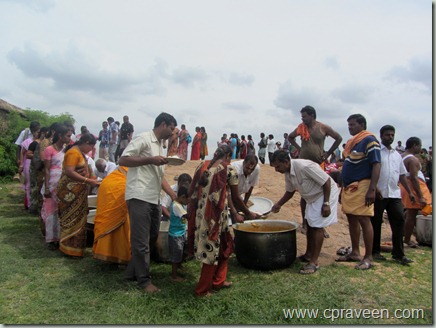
(72, 192)
(111, 223)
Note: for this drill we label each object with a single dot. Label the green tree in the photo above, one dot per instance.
(11, 126)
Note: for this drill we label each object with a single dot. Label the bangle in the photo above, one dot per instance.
(86, 179)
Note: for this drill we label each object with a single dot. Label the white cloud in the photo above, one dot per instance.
(245, 66)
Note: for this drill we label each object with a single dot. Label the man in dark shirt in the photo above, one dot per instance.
(126, 133)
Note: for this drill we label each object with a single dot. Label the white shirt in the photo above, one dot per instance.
(391, 168)
(271, 146)
(144, 182)
(25, 134)
(308, 178)
(108, 169)
(245, 183)
(166, 199)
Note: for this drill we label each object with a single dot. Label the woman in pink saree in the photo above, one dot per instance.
(53, 157)
(182, 151)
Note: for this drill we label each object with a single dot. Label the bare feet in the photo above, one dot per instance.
(177, 279)
(151, 289)
(226, 284)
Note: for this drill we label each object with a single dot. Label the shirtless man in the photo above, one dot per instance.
(313, 134)
(416, 181)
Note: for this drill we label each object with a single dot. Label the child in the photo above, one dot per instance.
(177, 231)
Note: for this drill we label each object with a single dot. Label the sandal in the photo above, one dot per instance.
(309, 269)
(347, 258)
(302, 258)
(363, 265)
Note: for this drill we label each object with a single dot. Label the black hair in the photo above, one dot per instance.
(183, 191)
(359, 119)
(61, 130)
(309, 110)
(413, 141)
(219, 153)
(184, 178)
(386, 128)
(280, 155)
(34, 126)
(251, 158)
(164, 118)
(85, 138)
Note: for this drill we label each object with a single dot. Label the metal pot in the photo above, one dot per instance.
(424, 229)
(266, 244)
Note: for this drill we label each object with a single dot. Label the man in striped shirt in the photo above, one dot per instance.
(360, 174)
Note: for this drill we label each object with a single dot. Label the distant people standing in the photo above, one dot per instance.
(103, 137)
(243, 148)
(233, 143)
(399, 148)
(262, 148)
(204, 151)
(173, 143)
(336, 156)
(113, 138)
(182, 151)
(250, 149)
(271, 147)
(126, 134)
(196, 145)
(286, 142)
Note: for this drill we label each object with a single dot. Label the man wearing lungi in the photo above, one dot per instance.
(360, 174)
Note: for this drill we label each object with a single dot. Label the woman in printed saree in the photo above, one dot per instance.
(182, 151)
(53, 159)
(111, 223)
(208, 210)
(36, 173)
(72, 192)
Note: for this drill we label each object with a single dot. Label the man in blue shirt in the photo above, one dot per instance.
(360, 174)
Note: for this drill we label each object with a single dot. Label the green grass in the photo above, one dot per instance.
(38, 286)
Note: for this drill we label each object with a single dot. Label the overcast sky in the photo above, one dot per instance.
(243, 66)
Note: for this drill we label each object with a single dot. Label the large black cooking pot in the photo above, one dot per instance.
(266, 244)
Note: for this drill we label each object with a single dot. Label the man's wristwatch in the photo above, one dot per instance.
(326, 203)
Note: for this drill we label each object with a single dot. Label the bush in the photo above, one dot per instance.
(10, 127)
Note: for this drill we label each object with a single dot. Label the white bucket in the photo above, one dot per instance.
(424, 229)
(92, 201)
(91, 216)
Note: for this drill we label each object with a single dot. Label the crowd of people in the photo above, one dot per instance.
(369, 177)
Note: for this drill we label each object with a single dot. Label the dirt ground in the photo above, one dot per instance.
(272, 186)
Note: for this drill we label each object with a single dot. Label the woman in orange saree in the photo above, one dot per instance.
(111, 223)
(72, 192)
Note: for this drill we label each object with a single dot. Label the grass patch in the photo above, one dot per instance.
(38, 286)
